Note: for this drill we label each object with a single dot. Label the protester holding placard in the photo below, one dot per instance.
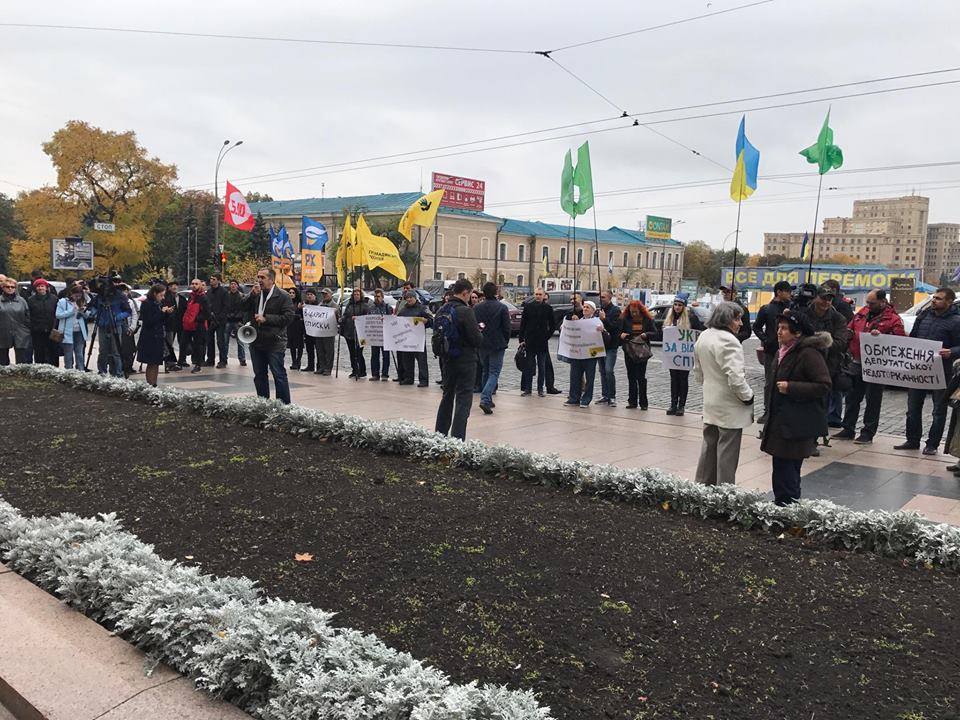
(357, 306)
(583, 361)
(939, 322)
(683, 318)
(412, 307)
(797, 415)
(877, 317)
(377, 353)
(309, 341)
(325, 345)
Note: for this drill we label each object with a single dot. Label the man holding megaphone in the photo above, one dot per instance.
(272, 311)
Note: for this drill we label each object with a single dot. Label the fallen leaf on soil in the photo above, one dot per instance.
(303, 557)
(188, 557)
(665, 504)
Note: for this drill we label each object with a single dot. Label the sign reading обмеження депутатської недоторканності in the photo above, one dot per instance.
(902, 361)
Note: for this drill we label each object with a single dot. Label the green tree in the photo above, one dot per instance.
(259, 238)
(10, 230)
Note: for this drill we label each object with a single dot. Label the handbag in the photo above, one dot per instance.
(520, 359)
(56, 336)
(637, 349)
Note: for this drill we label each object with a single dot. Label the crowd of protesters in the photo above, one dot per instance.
(809, 348)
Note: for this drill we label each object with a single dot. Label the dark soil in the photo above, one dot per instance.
(605, 609)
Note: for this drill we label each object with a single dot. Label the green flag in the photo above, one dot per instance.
(580, 177)
(566, 186)
(823, 152)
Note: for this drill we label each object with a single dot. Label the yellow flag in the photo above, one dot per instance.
(379, 251)
(345, 251)
(546, 270)
(422, 212)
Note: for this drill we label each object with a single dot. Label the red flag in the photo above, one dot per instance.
(236, 212)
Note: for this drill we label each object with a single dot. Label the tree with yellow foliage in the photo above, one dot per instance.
(102, 176)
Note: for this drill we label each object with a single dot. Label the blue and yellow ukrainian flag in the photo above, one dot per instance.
(805, 247)
(748, 162)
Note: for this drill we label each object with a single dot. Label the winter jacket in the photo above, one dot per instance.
(233, 307)
(942, 328)
(887, 322)
(495, 318)
(69, 319)
(537, 326)
(844, 308)
(14, 322)
(718, 366)
(745, 330)
(796, 419)
(381, 309)
(43, 312)
(151, 346)
(352, 310)
(830, 322)
(470, 336)
(278, 312)
(197, 314)
(173, 321)
(217, 302)
(116, 308)
(611, 323)
(418, 309)
(765, 326)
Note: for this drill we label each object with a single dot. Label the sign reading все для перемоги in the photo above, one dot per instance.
(902, 361)
(678, 347)
(852, 280)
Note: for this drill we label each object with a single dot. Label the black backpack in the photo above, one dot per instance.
(446, 333)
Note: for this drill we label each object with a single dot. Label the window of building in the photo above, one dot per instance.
(519, 279)
(463, 246)
(654, 266)
(593, 257)
(521, 252)
(461, 276)
(438, 276)
(647, 263)
(639, 259)
(484, 248)
(610, 257)
(502, 251)
(545, 252)
(593, 285)
(626, 259)
(563, 255)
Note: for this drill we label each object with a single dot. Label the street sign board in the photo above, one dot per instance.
(460, 192)
(658, 227)
(105, 227)
(71, 253)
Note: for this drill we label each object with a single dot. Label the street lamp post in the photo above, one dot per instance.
(216, 196)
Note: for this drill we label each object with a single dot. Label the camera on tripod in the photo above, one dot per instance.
(105, 285)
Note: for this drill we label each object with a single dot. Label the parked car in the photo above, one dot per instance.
(515, 315)
(560, 302)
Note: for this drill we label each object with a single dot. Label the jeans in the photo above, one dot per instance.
(263, 359)
(196, 341)
(73, 352)
(358, 364)
(458, 378)
(580, 392)
(231, 332)
(536, 362)
(376, 353)
(719, 455)
(679, 386)
(915, 399)
(786, 480)
(492, 363)
(636, 382)
(109, 353)
(835, 407)
(871, 416)
(608, 380)
(217, 340)
(21, 356)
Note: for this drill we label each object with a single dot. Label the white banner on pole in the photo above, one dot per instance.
(902, 361)
(678, 347)
(369, 330)
(404, 334)
(581, 339)
(319, 321)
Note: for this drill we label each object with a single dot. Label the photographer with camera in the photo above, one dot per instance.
(110, 310)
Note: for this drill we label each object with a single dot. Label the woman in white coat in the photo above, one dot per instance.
(727, 397)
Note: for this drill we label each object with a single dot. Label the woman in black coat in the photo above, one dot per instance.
(151, 347)
(296, 332)
(797, 415)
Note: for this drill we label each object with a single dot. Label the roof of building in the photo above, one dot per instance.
(399, 202)
(383, 203)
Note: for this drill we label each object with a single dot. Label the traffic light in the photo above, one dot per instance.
(223, 258)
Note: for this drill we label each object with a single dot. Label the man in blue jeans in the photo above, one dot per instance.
(272, 310)
(610, 317)
(494, 321)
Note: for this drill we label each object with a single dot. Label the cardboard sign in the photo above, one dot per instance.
(902, 361)
(404, 334)
(581, 339)
(678, 347)
(319, 321)
(370, 330)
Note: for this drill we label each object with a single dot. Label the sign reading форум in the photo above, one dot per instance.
(659, 227)
(764, 278)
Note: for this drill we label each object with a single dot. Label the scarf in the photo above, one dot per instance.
(784, 349)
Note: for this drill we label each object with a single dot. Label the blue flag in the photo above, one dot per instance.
(314, 235)
(280, 245)
(805, 247)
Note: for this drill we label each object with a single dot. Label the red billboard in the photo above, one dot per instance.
(460, 192)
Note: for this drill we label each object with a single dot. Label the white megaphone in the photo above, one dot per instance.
(247, 334)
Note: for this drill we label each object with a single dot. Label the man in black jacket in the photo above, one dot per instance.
(824, 317)
(940, 322)
(173, 327)
(609, 315)
(233, 316)
(217, 331)
(494, 320)
(765, 328)
(537, 326)
(460, 363)
(272, 310)
(43, 310)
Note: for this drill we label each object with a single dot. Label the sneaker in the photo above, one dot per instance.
(374, 378)
(843, 435)
(196, 369)
(243, 363)
(643, 407)
(907, 446)
(384, 379)
(524, 393)
(603, 401)
(572, 403)
(930, 450)
(221, 365)
(863, 440)
(487, 410)
(553, 391)
(611, 402)
(583, 405)
(541, 393)
(426, 384)
(672, 411)
(632, 406)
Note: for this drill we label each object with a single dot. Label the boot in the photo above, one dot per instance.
(679, 410)
(673, 408)
(643, 395)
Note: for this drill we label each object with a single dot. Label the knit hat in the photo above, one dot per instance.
(682, 297)
(591, 303)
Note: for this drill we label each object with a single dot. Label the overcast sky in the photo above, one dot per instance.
(300, 106)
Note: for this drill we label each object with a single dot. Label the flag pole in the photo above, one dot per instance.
(813, 240)
(576, 271)
(736, 241)
(566, 269)
(596, 249)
